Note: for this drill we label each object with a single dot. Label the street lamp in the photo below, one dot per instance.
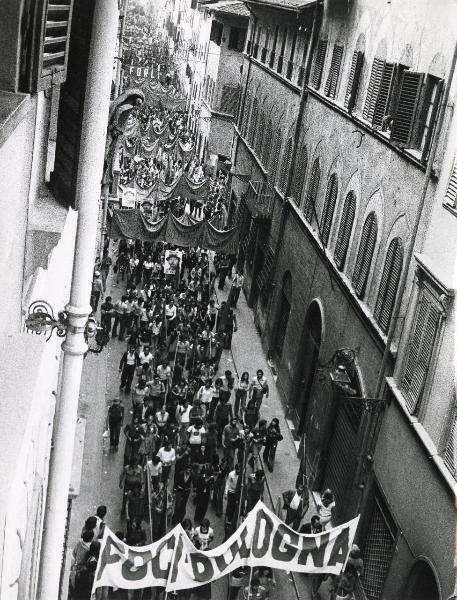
(41, 321)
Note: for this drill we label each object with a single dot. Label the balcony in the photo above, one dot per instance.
(280, 64)
(259, 199)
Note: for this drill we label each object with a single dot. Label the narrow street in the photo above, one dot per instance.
(101, 468)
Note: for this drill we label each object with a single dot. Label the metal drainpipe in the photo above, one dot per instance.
(374, 423)
(301, 111)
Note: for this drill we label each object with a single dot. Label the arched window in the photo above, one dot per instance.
(329, 208)
(274, 156)
(283, 313)
(345, 230)
(365, 254)
(266, 150)
(258, 145)
(299, 175)
(253, 121)
(389, 284)
(311, 194)
(285, 166)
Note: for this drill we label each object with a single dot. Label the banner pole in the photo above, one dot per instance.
(149, 498)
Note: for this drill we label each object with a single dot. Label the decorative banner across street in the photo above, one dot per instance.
(261, 540)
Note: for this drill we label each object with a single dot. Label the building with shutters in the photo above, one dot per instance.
(349, 97)
(42, 90)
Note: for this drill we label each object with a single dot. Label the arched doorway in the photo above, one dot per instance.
(422, 583)
(308, 357)
(282, 319)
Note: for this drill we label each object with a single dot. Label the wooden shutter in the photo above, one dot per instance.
(299, 175)
(329, 209)
(389, 284)
(420, 350)
(319, 64)
(313, 185)
(335, 65)
(449, 455)
(45, 59)
(425, 118)
(451, 192)
(384, 93)
(354, 80)
(71, 105)
(408, 100)
(373, 88)
(285, 167)
(365, 254)
(345, 230)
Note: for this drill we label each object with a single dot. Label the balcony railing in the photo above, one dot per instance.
(259, 198)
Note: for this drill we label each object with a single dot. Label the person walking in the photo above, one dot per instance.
(259, 388)
(183, 485)
(203, 491)
(127, 366)
(237, 284)
(115, 421)
(272, 437)
(241, 394)
(97, 291)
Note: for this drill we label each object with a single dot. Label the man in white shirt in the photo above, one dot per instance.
(170, 314)
(146, 356)
(164, 373)
(230, 492)
(259, 388)
(167, 457)
(237, 284)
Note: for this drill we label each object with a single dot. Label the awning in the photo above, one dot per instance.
(133, 224)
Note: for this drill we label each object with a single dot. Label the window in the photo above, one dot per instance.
(329, 208)
(309, 209)
(299, 175)
(266, 148)
(266, 45)
(451, 192)
(389, 284)
(274, 156)
(414, 119)
(256, 45)
(365, 255)
(216, 32)
(345, 230)
(334, 72)
(273, 51)
(258, 144)
(237, 39)
(253, 122)
(285, 166)
(283, 47)
(290, 64)
(379, 92)
(301, 70)
(316, 77)
(229, 99)
(354, 80)
(420, 349)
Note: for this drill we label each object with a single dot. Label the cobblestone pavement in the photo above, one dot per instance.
(101, 469)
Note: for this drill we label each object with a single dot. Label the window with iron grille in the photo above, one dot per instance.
(229, 99)
(266, 149)
(354, 80)
(216, 32)
(299, 175)
(389, 284)
(45, 44)
(365, 255)
(420, 349)
(309, 208)
(451, 191)
(285, 166)
(329, 209)
(237, 38)
(319, 60)
(345, 230)
(378, 548)
(449, 455)
(334, 71)
(274, 156)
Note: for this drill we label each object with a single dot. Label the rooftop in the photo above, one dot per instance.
(295, 5)
(232, 8)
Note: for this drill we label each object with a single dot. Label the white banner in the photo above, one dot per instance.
(261, 540)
